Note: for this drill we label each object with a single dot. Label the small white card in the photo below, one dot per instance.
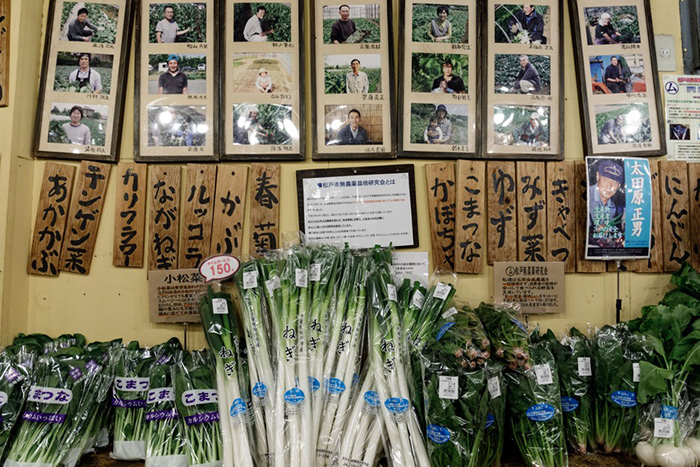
(391, 292)
(220, 306)
(250, 280)
(448, 387)
(663, 428)
(584, 366)
(544, 374)
(494, 387)
(315, 272)
(442, 290)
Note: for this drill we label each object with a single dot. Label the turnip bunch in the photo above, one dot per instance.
(509, 337)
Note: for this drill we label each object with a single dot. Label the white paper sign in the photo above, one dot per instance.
(635, 372)
(301, 278)
(544, 374)
(391, 292)
(45, 395)
(442, 291)
(682, 96)
(451, 312)
(272, 284)
(413, 265)
(494, 387)
(315, 272)
(663, 428)
(135, 384)
(250, 280)
(448, 387)
(220, 306)
(584, 366)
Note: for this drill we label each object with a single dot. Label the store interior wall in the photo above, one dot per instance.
(113, 302)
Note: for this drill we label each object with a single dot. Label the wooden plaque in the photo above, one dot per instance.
(694, 183)
(164, 226)
(441, 209)
(195, 236)
(561, 214)
(229, 210)
(470, 216)
(675, 212)
(130, 215)
(264, 207)
(532, 215)
(502, 202)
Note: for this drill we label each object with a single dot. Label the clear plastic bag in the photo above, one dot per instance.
(16, 364)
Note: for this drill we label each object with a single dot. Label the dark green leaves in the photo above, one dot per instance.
(652, 381)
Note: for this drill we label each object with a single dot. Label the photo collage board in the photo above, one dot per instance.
(176, 81)
(523, 89)
(263, 49)
(619, 86)
(440, 79)
(80, 107)
(353, 73)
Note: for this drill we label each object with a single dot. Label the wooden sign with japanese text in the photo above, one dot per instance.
(130, 215)
(532, 215)
(84, 217)
(502, 202)
(51, 218)
(655, 262)
(694, 192)
(581, 192)
(470, 216)
(174, 295)
(561, 214)
(4, 52)
(198, 214)
(229, 209)
(675, 213)
(264, 207)
(164, 225)
(441, 209)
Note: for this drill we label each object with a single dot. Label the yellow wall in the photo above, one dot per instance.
(113, 302)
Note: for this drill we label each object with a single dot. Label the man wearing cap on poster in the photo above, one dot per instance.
(173, 81)
(167, 29)
(606, 216)
(528, 79)
(253, 31)
(263, 81)
(454, 82)
(529, 133)
(356, 82)
(85, 76)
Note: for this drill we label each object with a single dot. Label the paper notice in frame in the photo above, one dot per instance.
(537, 287)
(174, 295)
(682, 97)
(412, 264)
(363, 206)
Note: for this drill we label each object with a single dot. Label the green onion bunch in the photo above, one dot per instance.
(16, 365)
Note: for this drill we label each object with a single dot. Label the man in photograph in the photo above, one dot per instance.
(528, 79)
(167, 29)
(255, 30)
(85, 76)
(353, 133)
(528, 20)
(611, 132)
(530, 133)
(248, 130)
(614, 77)
(80, 29)
(344, 27)
(606, 217)
(455, 84)
(173, 81)
(680, 132)
(356, 82)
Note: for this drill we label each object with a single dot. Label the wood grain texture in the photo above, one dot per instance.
(264, 207)
(561, 214)
(5, 21)
(675, 206)
(470, 217)
(581, 182)
(130, 215)
(694, 184)
(532, 214)
(164, 222)
(229, 210)
(502, 204)
(655, 262)
(197, 215)
(440, 180)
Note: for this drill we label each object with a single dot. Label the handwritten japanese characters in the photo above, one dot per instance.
(4, 52)
(174, 295)
(164, 225)
(532, 215)
(581, 189)
(470, 215)
(130, 215)
(694, 192)
(51, 218)
(198, 214)
(229, 210)
(84, 218)
(675, 212)
(441, 205)
(561, 214)
(502, 202)
(264, 207)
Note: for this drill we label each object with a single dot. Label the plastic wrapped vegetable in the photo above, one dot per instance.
(509, 337)
(15, 373)
(494, 430)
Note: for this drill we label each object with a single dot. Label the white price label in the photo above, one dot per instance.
(442, 290)
(451, 312)
(448, 387)
(635, 372)
(315, 272)
(301, 278)
(135, 384)
(156, 396)
(391, 292)
(199, 397)
(418, 299)
(272, 284)
(544, 374)
(584, 366)
(220, 306)
(663, 428)
(250, 280)
(494, 387)
(45, 395)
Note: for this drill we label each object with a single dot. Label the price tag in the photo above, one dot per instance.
(584, 366)
(494, 387)
(219, 267)
(315, 272)
(250, 280)
(301, 278)
(451, 312)
(418, 299)
(442, 290)
(663, 428)
(272, 284)
(391, 292)
(448, 387)
(635, 372)
(220, 306)
(544, 374)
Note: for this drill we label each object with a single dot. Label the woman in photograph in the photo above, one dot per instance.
(605, 32)
(77, 132)
(440, 29)
(444, 124)
(614, 77)
(263, 82)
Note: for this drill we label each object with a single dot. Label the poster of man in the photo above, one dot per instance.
(440, 73)
(262, 72)
(351, 24)
(623, 123)
(89, 22)
(441, 23)
(262, 22)
(353, 125)
(617, 74)
(522, 74)
(83, 72)
(610, 25)
(521, 125)
(261, 124)
(78, 124)
(352, 74)
(522, 24)
(177, 23)
(177, 74)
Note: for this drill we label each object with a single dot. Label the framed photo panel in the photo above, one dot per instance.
(263, 86)
(524, 85)
(619, 92)
(81, 99)
(437, 96)
(176, 81)
(352, 70)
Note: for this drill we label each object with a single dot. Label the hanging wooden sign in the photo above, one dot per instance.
(195, 236)
(4, 52)
(441, 208)
(561, 214)
(229, 208)
(675, 213)
(694, 184)
(502, 202)
(164, 221)
(264, 207)
(532, 215)
(130, 215)
(655, 262)
(581, 207)
(469, 217)
(84, 218)
(51, 218)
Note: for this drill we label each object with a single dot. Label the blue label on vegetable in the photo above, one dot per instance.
(259, 390)
(520, 325)
(541, 412)
(397, 405)
(569, 404)
(335, 386)
(237, 407)
(490, 420)
(294, 396)
(314, 384)
(443, 330)
(372, 398)
(438, 434)
(355, 379)
(669, 412)
(624, 398)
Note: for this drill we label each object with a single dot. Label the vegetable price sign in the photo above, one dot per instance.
(536, 287)
(219, 267)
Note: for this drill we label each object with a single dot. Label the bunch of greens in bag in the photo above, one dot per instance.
(494, 430)
(509, 337)
(16, 364)
(197, 402)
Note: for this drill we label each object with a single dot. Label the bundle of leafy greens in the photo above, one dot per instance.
(509, 337)
(494, 429)
(16, 365)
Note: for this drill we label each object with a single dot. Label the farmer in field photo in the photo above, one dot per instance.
(255, 29)
(353, 133)
(440, 29)
(173, 81)
(344, 27)
(85, 77)
(530, 133)
(77, 132)
(611, 132)
(80, 29)
(528, 20)
(167, 29)
(356, 82)
(455, 84)
(528, 79)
